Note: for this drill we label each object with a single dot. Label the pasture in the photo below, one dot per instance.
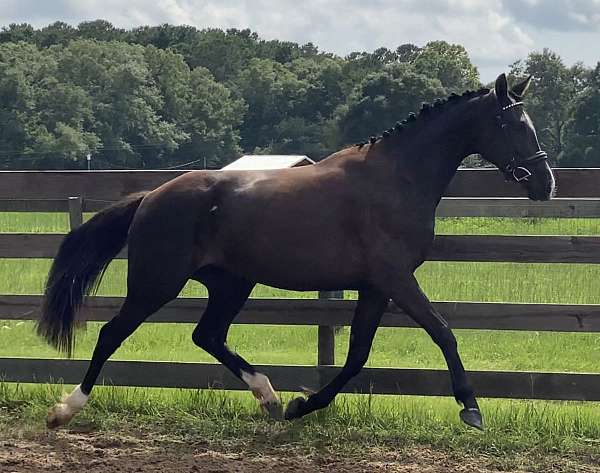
(518, 432)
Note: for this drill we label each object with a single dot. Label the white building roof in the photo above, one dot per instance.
(267, 161)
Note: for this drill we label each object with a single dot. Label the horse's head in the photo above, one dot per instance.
(510, 142)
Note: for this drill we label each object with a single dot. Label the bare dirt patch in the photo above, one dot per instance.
(68, 451)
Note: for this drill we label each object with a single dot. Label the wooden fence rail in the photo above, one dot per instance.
(474, 248)
(460, 315)
(473, 193)
(424, 382)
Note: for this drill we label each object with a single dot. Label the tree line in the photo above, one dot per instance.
(166, 96)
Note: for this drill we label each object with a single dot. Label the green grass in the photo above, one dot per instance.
(411, 348)
(518, 433)
(512, 425)
(518, 226)
(59, 223)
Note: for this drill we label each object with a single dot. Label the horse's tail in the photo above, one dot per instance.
(78, 267)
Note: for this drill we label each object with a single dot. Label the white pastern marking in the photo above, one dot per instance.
(76, 400)
(73, 403)
(261, 387)
(64, 411)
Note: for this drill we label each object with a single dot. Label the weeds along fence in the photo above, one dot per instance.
(481, 193)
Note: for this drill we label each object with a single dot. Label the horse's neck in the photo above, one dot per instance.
(431, 159)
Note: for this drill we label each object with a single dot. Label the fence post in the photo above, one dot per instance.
(326, 338)
(75, 212)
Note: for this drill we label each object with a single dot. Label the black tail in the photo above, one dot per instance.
(78, 267)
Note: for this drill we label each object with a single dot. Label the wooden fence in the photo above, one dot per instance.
(472, 193)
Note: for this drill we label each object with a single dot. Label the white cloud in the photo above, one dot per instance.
(557, 15)
(494, 33)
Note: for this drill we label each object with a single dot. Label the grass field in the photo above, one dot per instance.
(513, 425)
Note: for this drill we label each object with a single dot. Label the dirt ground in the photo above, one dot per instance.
(72, 452)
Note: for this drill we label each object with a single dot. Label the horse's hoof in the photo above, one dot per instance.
(274, 409)
(295, 408)
(58, 415)
(472, 417)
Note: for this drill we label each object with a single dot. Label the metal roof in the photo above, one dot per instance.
(268, 161)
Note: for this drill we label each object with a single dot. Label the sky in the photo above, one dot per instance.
(495, 32)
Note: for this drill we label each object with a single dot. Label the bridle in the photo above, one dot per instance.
(517, 168)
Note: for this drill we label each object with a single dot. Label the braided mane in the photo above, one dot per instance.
(427, 110)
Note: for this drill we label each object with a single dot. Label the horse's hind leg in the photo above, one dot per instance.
(147, 292)
(227, 295)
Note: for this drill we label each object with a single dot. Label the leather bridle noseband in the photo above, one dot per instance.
(517, 168)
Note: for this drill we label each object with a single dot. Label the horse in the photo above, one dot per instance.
(362, 218)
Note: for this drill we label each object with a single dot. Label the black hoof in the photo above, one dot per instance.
(274, 409)
(472, 417)
(295, 408)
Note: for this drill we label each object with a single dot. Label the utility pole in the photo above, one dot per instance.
(89, 161)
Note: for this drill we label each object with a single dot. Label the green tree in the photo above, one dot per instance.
(56, 33)
(323, 78)
(164, 36)
(14, 33)
(129, 105)
(554, 87)
(581, 137)
(407, 52)
(41, 120)
(223, 53)
(202, 108)
(215, 117)
(163, 95)
(126, 101)
(150, 108)
(381, 99)
(358, 65)
(272, 93)
(296, 135)
(100, 30)
(449, 63)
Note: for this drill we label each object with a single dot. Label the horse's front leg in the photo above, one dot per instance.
(407, 295)
(369, 309)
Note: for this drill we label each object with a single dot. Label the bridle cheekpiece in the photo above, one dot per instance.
(517, 168)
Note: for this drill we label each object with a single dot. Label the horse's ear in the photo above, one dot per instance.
(520, 89)
(501, 88)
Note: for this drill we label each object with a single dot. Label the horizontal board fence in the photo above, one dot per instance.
(425, 382)
(474, 248)
(449, 206)
(473, 193)
(113, 185)
(460, 315)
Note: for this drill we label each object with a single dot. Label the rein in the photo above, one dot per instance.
(517, 168)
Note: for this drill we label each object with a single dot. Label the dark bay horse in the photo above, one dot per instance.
(361, 219)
